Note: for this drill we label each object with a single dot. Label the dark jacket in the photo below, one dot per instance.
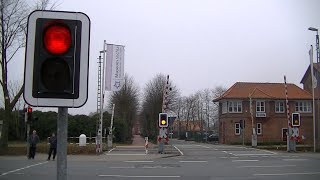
(53, 141)
(33, 140)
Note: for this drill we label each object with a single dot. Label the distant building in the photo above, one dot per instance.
(269, 116)
(182, 126)
(306, 81)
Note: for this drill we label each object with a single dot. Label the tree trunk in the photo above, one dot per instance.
(5, 129)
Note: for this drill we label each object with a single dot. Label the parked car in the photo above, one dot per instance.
(213, 137)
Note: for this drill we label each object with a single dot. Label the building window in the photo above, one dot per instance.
(279, 106)
(303, 106)
(237, 128)
(259, 128)
(234, 106)
(224, 107)
(260, 106)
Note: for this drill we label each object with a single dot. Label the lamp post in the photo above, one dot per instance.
(311, 66)
(317, 41)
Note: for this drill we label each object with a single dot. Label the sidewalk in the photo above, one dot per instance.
(139, 141)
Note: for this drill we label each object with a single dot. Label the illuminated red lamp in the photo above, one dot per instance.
(57, 39)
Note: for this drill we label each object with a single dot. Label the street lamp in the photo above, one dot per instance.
(317, 41)
(312, 75)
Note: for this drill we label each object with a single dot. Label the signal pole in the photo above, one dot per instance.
(164, 130)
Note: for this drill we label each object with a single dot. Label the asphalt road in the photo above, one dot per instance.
(190, 161)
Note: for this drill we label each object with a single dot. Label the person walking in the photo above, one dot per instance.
(53, 146)
(33, 141)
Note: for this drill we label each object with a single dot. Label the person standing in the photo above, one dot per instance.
(33, 141)
(53, 146)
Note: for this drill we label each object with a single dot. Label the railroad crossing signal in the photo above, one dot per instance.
(57, 59)
(163, 120)
(295, 119)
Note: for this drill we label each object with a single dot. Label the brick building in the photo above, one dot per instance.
(268, 106)
(306, 81)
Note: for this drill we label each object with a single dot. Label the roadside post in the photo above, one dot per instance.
(146, 144)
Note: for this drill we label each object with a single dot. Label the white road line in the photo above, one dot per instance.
(203, 146)
(245, 160)
(178, 150)
(139, 161)
(276, 166)
(253, 154)
(130, 147)
(126, 154)
(269, 152)
(286, 174)
(129, 167)
(193, 161)
(9, 172)
(111, 150)
(126, 176)
(294, 159)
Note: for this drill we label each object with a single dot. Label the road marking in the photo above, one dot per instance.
(129, 167)
(126, 176)
(203, 146)
(223, 157)
(253, 154)
(276, 166)
(111, 150)
(285, 174)
(9, 172)
(178, 150)
(125, 154)
(245, 160)
(269, 152)
(130, 147)
(193, 161)
(138, 161)
(294, 159)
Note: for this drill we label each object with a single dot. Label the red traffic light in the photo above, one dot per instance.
(57, 39)
(29, 110)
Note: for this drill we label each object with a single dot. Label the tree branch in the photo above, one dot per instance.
(16, 98)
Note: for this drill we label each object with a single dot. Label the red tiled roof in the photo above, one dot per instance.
(242, 90)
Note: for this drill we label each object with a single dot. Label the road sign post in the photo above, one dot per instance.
(57, 59)
(56, 68)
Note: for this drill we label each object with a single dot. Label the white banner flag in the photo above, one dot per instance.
(114, 67)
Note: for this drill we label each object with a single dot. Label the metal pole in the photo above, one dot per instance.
(110, 136)
(99, 134)
(313, 104)
(290, 143)
(62, 135)
(317, 46)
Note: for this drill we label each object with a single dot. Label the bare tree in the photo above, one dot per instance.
(152, 104)
(13, 21)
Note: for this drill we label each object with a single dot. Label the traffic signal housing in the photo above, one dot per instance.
(29, 114)
(57, 53)
(242, 124)
(295, 119)
(163, 120)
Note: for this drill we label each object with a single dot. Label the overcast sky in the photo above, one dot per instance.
(201, 43)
